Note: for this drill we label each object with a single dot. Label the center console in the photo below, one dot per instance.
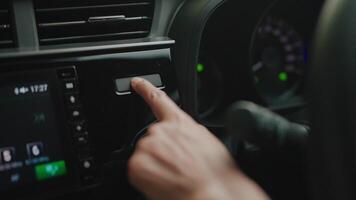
(69, 120)
(42, 129)
(62, 118)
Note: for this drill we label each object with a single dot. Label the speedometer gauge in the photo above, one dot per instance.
(279, 58)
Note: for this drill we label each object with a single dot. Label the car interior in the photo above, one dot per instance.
(272, 79)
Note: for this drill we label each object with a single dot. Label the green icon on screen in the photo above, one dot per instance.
(50, 170)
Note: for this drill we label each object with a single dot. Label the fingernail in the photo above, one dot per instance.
(136, 80)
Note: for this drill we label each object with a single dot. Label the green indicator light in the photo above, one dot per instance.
(283, 76)
(50, 170)
(200, 68)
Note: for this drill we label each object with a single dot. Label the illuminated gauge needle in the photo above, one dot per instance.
(257, 67)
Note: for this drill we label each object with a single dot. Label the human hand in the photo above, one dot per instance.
(181, 160)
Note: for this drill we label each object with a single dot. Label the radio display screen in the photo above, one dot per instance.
(31, 150)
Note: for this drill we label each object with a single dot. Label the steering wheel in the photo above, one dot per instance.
(332, 87)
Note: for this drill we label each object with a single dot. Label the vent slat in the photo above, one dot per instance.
(6, 39)
(77, 21)
(56, 24)
(92, 7)
(59, 24)
(88, 37)
(5, 42)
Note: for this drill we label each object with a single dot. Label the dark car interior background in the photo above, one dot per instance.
(70, 121)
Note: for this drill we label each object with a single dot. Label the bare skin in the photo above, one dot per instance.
(181, 160)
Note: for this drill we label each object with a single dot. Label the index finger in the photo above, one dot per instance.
(161, 105)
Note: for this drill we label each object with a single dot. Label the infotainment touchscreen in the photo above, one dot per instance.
(30, 141)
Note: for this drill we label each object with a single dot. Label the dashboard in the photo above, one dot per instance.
(69, 117)
(257, 52)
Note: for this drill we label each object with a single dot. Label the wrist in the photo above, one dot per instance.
(242, 187)
(232, 185)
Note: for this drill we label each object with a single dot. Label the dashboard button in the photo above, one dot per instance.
(70, 86)
(75, 114)
(88, 179)
(79, 128)
(83, 152)
(67, 73)
(81, 140)
(87, 167)
(87, 164)
(123, 85)
(72, 99)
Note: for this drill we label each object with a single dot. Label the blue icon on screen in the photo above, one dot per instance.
(15, 178)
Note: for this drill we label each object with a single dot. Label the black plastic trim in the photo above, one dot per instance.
(50, 52)
(188, 34)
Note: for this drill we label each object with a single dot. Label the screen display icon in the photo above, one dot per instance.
(15, 178)
(34, 150)
(50, 170)
(7, 155)
(33, 130)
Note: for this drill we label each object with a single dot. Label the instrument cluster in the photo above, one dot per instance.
(261, 54)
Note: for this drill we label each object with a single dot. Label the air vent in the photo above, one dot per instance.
(6, 39)
(73, 21)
